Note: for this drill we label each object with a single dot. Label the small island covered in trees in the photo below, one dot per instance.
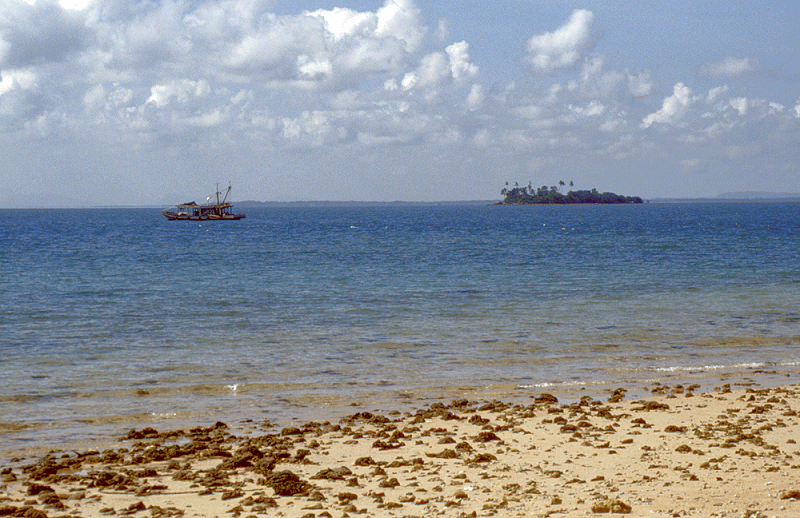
(552, 195)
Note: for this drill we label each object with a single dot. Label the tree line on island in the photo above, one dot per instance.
(552, 195)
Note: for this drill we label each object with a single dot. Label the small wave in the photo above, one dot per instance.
(687, 368)
(163, 415)
(547, 384)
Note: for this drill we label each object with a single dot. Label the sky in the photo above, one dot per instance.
(154, 102)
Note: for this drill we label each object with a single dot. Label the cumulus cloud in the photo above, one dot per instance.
(401, 19)
(593, 109)
(238, 73)
(19, 94)
(595, 79)
(17, 80)
(318, 46)
(740, 104)
(207, 120)
(75, 4)
(716, 92)
(564, 46)
(38, 32)
(433, 70)
(440, 68)
(460, 66)
(181, 91)
(729, 67)
(673, 109)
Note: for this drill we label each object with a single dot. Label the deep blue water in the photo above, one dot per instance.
(111, 318)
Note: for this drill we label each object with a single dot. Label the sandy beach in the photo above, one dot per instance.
(677, 452)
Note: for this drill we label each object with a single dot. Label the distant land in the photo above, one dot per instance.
(736, 197)
(752, 195)
(731, 197)
(253, 203)
(32, 202)
(553, 196)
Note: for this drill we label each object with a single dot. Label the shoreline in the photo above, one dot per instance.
(728, 451)
(36, 439)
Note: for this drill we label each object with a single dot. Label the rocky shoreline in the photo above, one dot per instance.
(725, 453)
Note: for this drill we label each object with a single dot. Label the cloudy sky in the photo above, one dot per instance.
(149, 102)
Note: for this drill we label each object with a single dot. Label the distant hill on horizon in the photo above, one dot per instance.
(757, 195)
(254, 203)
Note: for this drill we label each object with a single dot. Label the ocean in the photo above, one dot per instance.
(112, 319)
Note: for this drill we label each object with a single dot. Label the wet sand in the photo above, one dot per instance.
(676, 452)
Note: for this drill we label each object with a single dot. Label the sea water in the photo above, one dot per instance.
(116, 318)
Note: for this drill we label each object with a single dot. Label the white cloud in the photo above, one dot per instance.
(38, 32)
(409, 81)
(335, 44)
(440, 68)
(146, 39)
(390, 85)
(595, 80)
(433, 70)
(401, 19)
(475, 98)
(715, 92)
(20, 96)
(182, 91)
(460, 65)
(640, 84)
(442, 30)
(673, 109)
(481, 138)
(310, 68)
(93, 99)
(97, 98)
(553, 92)
(529, 111)
(17, 80)
(612, 125)
(357, 82)
(739, 104)
(562, 47)
(208, 120)
(75, 4)
(775, 108)
(729, 67)
(346, 23)
(593, 109)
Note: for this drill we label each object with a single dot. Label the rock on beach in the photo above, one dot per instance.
(680, 452)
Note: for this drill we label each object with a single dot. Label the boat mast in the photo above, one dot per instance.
(226, 193)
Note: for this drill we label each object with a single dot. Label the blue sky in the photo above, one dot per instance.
(124, 102)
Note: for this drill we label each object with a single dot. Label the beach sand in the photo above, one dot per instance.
(677, 452)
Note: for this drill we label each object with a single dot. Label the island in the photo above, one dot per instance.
(552, 195)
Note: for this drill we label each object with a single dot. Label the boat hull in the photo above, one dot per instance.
(220, 211)
(174, 216)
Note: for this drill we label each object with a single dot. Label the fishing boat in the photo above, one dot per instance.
(222, 210)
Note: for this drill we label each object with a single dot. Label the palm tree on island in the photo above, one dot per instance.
(553, 195)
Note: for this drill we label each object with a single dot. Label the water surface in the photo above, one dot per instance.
(114, 318)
